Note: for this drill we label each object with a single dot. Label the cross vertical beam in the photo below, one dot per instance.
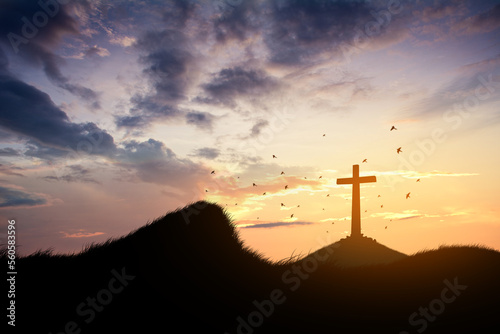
(355, 180)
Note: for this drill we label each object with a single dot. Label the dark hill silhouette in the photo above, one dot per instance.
(358, 251)
(195, 275)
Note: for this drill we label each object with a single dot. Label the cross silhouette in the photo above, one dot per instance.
(355, 180)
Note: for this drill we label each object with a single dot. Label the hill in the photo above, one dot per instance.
(358, 251)
(189, 271)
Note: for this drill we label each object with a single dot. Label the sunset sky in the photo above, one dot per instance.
(113, 113)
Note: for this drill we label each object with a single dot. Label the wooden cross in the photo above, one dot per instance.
(355, 180)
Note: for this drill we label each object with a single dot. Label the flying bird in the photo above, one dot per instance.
(213, 172)
(365, 160)
(418, 180)
(254, 185)
(399, 150)
(320, 177)
(382, 206)
(378, 196)
(264, 193)
(275, 157)
(333, 223)
(324, 134)
(282, 204)
(282, 173)
(286, 187)
(393, 128)
(386, 227)
(298, 206)
(206, 190)
(291, 216)
(328, 195)
(408, 195)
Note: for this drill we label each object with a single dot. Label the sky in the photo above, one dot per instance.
(113, 113)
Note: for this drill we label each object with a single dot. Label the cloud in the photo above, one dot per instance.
(9, 152)
(275, 224)
(231, 83)
(74, 173)
(152, 162)
(258, 127)
(302, 31)
(97, 51)
(167, 65)
(410, 174)
(207, 153)
(9, 170)
(80, 234)
(27, 111)
(486, 21)
(17, 198)
(35, 44)
(202, 120)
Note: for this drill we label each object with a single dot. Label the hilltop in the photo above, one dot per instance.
(190, 270)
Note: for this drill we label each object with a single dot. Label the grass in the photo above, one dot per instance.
(195, 275)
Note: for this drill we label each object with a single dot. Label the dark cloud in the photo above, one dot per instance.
(232, 83)
(202, 120)
(277, 224)
(257, 128)
(303, 30)
(10, 170)
(167, 67)
(33, 31)
(9, 152)
(74, 173)
(11, 198)
(486, 21)
(151, 161)
(27, 111)
(207, 153)
(237, 19)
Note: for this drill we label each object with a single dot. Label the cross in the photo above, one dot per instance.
(355, 180)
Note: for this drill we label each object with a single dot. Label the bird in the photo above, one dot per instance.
(275, 157)
(291, 216)
(320, 177)
(378, 196)
(235, 203)
(418, 180)
(326, 231)
(305, 178)
(382, 206)
(366, 210)
(282, 173)
(399, 150)
(386, 227)
(323, 209)
(254, 185)
(264, 193)
(282, 204)
(333, 223)
(213, 172)
(365, 160)
(324, 134)
(298, 206)
(257, 217)
(327, 195)
(286, 187)
(408, 195)
(393, 128)
(206, 190)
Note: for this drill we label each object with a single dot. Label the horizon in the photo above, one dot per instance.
(114, 113)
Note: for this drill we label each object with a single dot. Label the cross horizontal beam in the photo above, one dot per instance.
(362, 179)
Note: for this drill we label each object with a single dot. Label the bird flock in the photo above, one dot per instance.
(398, 151)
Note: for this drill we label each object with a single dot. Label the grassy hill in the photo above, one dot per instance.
(190, 272)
